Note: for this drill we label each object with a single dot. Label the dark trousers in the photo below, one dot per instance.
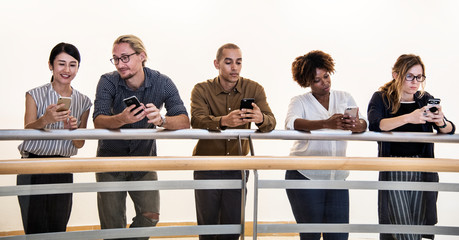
(318, 206)
(45, 213)
(218, 206)
(112, 205)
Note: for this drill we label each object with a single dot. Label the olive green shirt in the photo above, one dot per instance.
(209, 102)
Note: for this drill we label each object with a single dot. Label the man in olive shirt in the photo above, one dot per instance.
(215, 105)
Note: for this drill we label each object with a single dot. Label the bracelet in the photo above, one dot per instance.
(444, 124)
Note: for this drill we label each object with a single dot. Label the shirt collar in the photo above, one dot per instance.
(147, 82)
(218, 89)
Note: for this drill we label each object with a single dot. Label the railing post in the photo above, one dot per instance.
(243, 187)
(255, 193)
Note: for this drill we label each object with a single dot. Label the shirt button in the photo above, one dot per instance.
(227, 153)
(229, 140)
(229, 109)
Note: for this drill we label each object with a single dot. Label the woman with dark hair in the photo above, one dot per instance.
(321, 108)
(51, 212)
(399, 106)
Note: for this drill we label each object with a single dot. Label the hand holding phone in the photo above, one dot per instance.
(351, 112)
(133, 100)
(66, 101)
(432, 104)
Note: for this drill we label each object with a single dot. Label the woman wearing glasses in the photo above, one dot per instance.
(400, 106)
(51, 212)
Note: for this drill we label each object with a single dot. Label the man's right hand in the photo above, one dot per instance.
(128, 115)
(233, 119)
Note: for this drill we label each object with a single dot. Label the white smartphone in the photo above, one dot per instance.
(351, 112)
(66, 101)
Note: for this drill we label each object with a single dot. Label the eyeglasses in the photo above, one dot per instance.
(124, 59)
(411, 77)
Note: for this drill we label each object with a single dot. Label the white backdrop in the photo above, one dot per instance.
(181, 37)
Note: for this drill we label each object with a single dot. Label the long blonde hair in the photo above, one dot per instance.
(393, 89)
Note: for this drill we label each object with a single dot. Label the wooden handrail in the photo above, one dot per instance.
(105, 164)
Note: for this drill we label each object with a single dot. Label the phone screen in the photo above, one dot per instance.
(132, 100)
(247, 103)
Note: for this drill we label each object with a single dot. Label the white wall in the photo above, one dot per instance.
(364, 37)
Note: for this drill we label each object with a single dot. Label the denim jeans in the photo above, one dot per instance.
(112, 205)
(318, 206)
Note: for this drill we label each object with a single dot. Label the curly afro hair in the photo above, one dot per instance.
(304, 67)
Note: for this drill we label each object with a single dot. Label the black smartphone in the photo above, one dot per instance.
(132, 100)
(432, 104)
(247, 103)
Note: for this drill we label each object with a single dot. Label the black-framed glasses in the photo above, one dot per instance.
(411, 77)
(124, 59)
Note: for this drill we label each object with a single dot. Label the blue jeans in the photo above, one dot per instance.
(318, 206)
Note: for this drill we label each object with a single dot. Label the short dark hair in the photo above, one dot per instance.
(304, 67)
(225, 46)
(67, 48)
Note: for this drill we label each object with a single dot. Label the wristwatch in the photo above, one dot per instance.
(163, 121)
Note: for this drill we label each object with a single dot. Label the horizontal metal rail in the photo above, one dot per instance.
(357, 228)
(133, 232)
(31, 134)
(38, 189)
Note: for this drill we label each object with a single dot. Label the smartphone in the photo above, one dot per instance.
(432, 104)
(132, 100)
(351, 112)
(66, 101)
(247, 103)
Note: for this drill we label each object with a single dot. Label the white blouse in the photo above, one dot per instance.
(307, 107)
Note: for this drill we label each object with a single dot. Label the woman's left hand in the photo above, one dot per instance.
(355, 124)
(435, 117)
(71, 123)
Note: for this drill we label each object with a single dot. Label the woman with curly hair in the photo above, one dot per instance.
(320, 108)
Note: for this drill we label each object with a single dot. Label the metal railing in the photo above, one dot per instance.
(75, 165)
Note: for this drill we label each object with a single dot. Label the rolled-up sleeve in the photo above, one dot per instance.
(294, 111)
(201, 116)
(269, 121)
(104, 97)
(173, 102)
